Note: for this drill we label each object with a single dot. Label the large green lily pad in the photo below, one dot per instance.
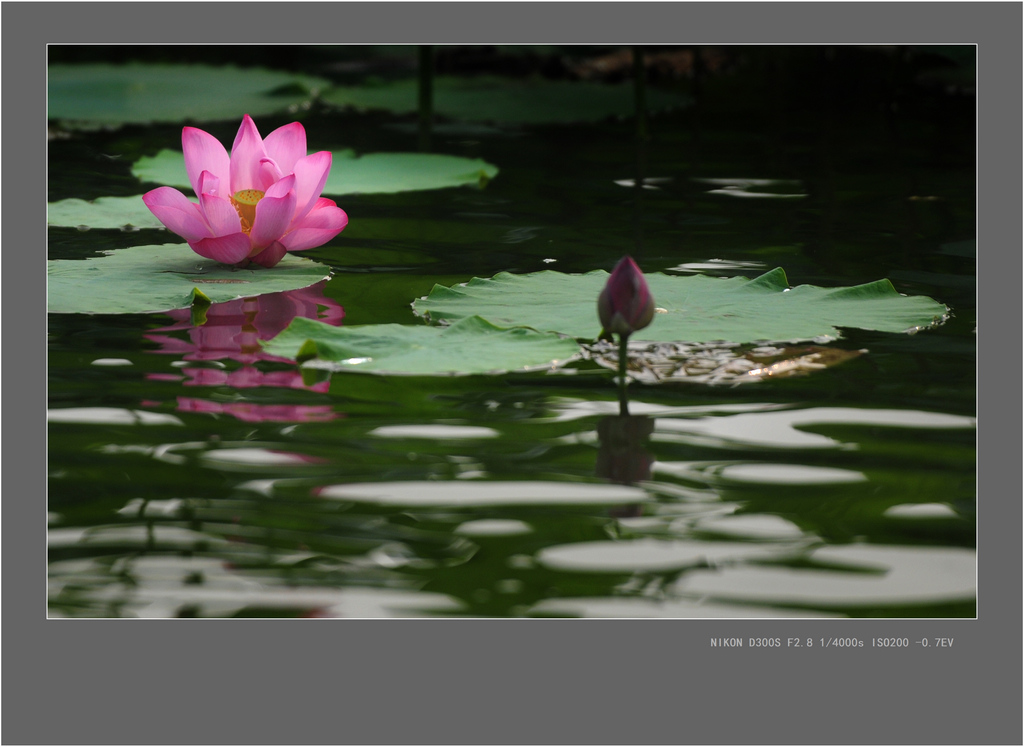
(470, 346)
(371, 173)
(104, 94)
(145, 279)
(692, 308)
(493, 99)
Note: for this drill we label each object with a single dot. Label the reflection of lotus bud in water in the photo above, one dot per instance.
(625, 305)
(622, 456)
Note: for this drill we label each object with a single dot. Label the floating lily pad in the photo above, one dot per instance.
(470, 346)
(493, 99)
(145, 279)
(104, 94)
(368, 174)
(104, 212)
(695, 308)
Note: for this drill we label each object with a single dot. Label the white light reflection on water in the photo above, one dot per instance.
(567, 409)
(740, 192)
(481, 493)
(637, 607)
(721, 474)
(648, 555)
(164, 509)
(751, 526)
(757, 424)
(135, 534)
(781, 429)
(166, 585)
(887, 575)
(109, 416)
(743, 187)
(442, 432)
(650, 182)
(718, 265)
(251, 457)
(493, 528)
(788, 474)
(921, 511)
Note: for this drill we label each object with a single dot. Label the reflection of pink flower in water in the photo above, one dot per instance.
(233, 330)
(250, 412)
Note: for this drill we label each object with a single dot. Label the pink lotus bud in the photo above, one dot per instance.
(625, 305)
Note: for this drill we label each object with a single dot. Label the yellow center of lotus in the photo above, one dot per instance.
(245, 204)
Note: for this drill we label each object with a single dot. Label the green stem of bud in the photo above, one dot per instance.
(623, 359)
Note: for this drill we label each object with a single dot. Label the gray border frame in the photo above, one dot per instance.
(597, 682)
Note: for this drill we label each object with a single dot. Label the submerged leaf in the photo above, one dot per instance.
(690, 309)
(105, 94)
(471, 346)
(493, 99)
(368, 174)
(145, 279)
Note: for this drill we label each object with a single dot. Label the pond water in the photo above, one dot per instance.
(192, 474)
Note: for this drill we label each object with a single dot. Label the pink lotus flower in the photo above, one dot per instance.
(625, 305)
(262, 201)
